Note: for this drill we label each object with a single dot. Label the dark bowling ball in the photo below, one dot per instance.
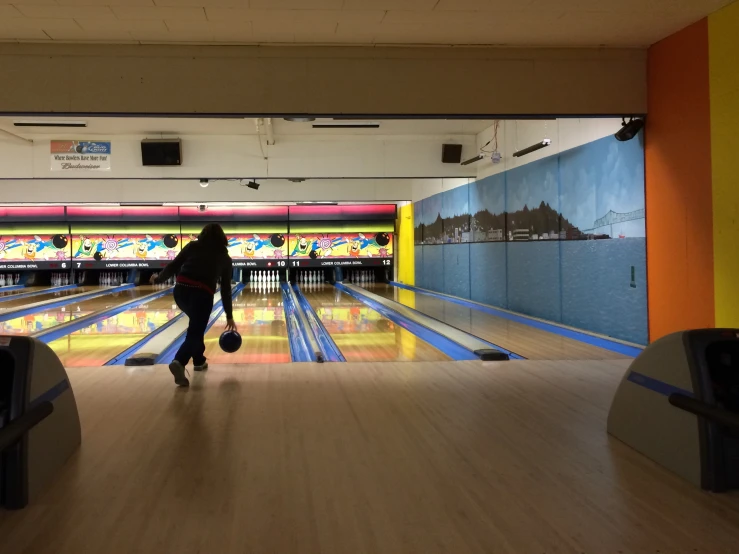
(59, 241)
(313, 254)
(78, 149)
(383, 239)
(383, 325)
(277, 240)
(98, 256)
(170, 241)
(230, 341)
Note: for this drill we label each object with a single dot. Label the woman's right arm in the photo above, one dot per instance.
(226, 274)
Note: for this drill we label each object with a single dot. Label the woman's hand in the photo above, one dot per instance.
(230, 325)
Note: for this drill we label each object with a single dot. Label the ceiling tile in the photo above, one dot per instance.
(484, 5)
(463, 20)
(10, 33)
(293, 27)
(300, 16)
(64, 12)
(28, 2)
(119, 25)
(39, 24)
(297, 4)
(240, 28)
(186, 14)
(204, 3)
(9, 12)
(91, 36)
(149, 3)
(421, 5)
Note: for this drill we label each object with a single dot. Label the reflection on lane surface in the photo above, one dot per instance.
(523, 339)
(98, 343)
(260, 318)
(362, 334)
(24, 290)
(20, 302)
(40, 321)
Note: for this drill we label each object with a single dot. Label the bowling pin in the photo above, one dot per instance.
(2, 280)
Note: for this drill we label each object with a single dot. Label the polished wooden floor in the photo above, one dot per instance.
(451, 457)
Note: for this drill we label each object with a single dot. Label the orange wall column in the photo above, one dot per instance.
(678, 184)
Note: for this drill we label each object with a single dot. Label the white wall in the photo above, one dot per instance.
(147, 190)
(240, 156)
(518, 134)
(515, 135)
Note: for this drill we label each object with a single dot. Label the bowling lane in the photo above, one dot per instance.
(20, 302)
(260, 319)
(24, 290)
(32, 323)
(362, 334)
(520, 338)
(100, 342)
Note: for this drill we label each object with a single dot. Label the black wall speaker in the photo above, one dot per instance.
(161, 152)
(451, 153)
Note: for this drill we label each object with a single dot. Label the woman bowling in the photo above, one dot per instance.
(198, 268)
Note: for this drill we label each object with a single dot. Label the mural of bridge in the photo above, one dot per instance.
(614, 217)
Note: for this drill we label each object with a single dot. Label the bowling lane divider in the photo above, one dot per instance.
(296, 331)
(620, 347)
(58, 302)
(330, 351)
(174, 346)
(456, 344)
(32, 292)
(69, 327)
(7, 288)
(156, 344)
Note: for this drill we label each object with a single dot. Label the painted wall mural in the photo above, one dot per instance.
(561, 238)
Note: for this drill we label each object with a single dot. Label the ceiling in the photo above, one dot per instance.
(613, 23)
(155, 127)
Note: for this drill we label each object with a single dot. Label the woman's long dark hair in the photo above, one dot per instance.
(213, 236)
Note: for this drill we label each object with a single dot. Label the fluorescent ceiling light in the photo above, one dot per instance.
(51, 123)
(533, 148)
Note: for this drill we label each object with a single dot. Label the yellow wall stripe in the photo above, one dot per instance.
(723, 34)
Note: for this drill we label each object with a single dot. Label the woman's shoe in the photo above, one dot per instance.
(178, 370)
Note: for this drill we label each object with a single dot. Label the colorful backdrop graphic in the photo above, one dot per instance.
(125, 246)
(269, 244)
(341, 245)
(32, 246)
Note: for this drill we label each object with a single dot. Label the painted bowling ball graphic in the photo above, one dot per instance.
(59, 241)
(277, 240)
(79, 149)
(170, 241)
(98, 256)
(383, 239)
(313, 254)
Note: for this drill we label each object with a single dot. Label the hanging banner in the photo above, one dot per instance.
(74, 155)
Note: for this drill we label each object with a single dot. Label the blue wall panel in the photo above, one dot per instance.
(457, 270)
(598, 292)
(533, 279)
(433, 269)
(596, 189)
(488, 273)
(418, 266)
